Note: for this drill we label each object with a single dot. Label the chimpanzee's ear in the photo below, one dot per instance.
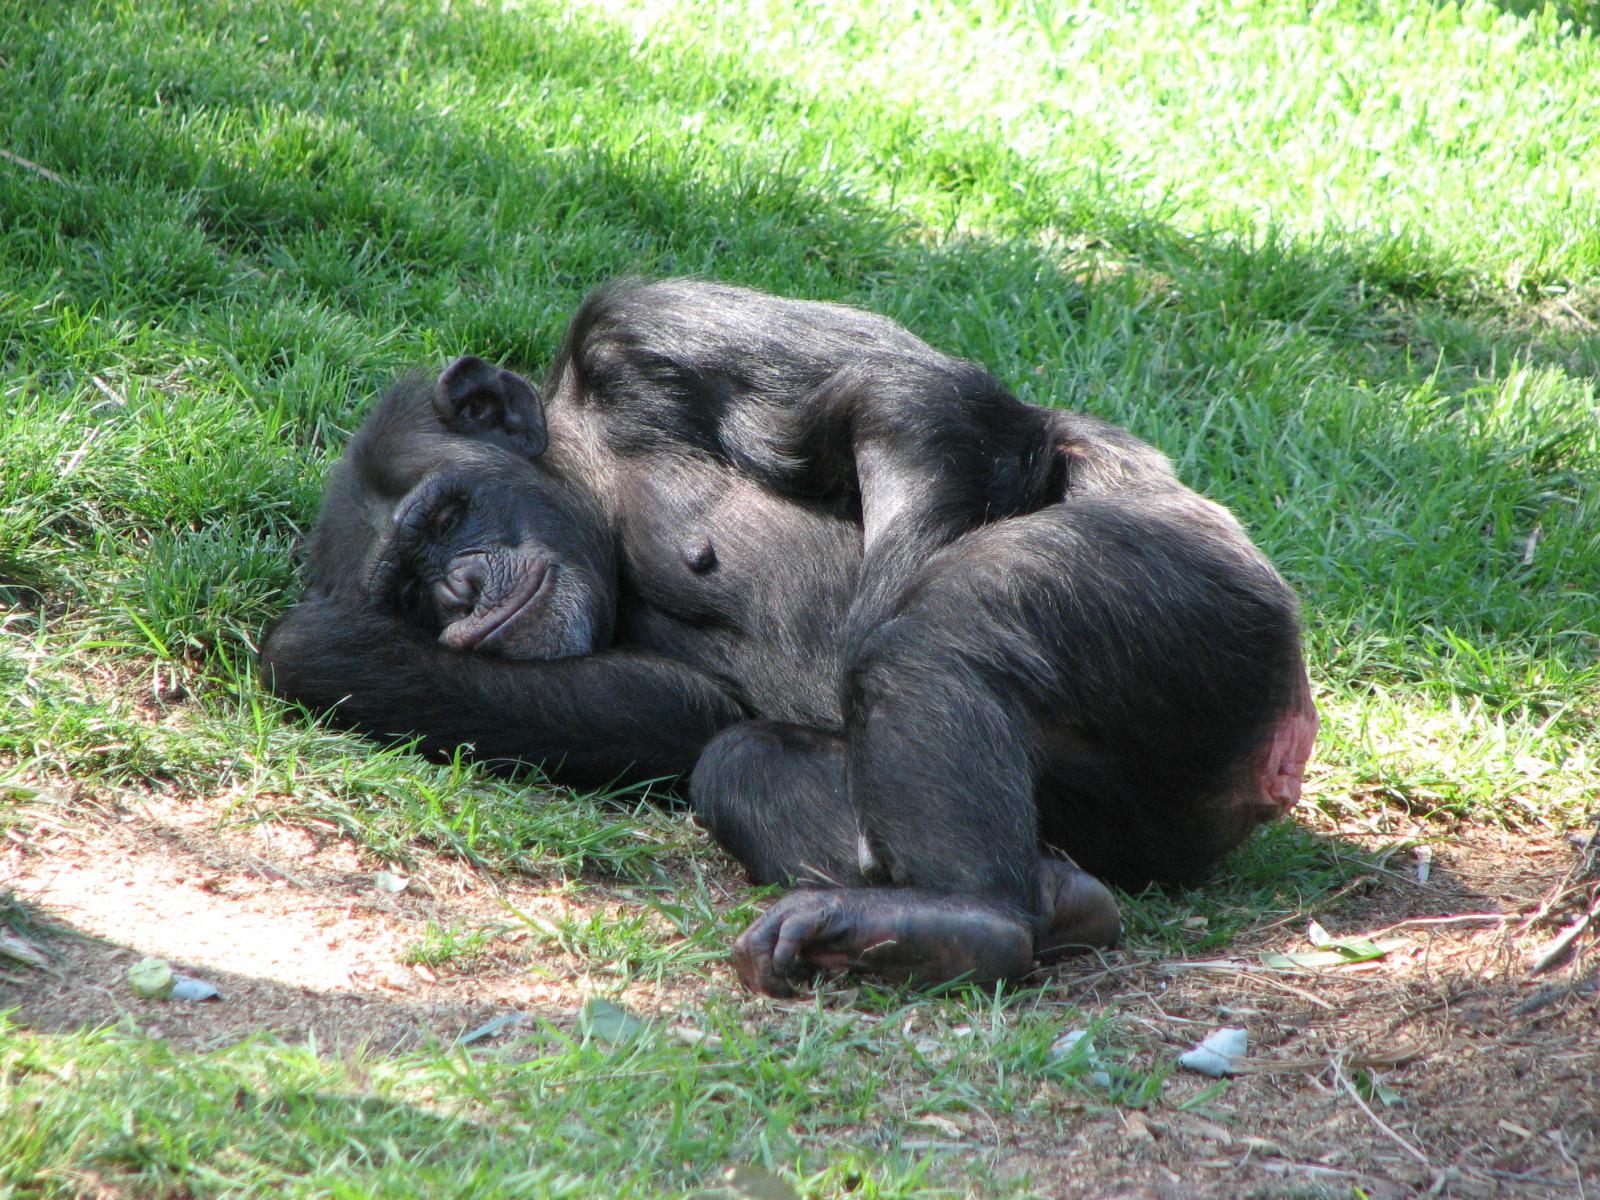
(476, 399)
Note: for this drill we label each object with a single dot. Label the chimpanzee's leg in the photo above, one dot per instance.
(774, 797)
(1139, 641)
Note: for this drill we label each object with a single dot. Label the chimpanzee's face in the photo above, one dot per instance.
(496, 566)
(484, 546)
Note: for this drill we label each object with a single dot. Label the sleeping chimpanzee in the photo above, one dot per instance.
(917, 641)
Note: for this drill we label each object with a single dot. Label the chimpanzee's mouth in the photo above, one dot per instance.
(541, 580)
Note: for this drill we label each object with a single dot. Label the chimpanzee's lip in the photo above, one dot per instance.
(540, 582)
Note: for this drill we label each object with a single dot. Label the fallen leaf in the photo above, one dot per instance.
(1210, 1130)
(1264, 1145)
(606, 1021)
(690, 1036)
(151, 979)
(750, 1183)
(1334, 952)
(1076, 1042)
(23, 952)
(1424, 857)
(490, 1028)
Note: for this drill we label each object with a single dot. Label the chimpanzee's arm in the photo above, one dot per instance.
(807, 398)
(588, 719)
(937, 448)
(813, 401)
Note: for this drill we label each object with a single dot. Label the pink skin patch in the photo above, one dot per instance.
(1283, 767)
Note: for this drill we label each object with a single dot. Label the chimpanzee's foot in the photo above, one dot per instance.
(1079, 912)
(898, 935)
(1281, 768)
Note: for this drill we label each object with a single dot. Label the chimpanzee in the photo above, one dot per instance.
(943, 659)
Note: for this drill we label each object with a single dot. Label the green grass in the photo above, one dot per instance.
(566, 1114)
(1341, 261)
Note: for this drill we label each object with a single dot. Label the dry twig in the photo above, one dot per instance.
(1558, 950)
(1248, 972)
(1582, 879)
(1383, 1127)
(110, 393)
(1304, 1066)
(26, 165)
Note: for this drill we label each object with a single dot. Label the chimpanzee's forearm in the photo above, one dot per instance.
(588, 719)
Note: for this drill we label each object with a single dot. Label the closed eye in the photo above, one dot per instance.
(444, 520)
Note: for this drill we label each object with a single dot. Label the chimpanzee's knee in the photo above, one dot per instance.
(773, 796)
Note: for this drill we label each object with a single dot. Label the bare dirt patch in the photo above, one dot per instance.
(294, 927)
(1446, 1068)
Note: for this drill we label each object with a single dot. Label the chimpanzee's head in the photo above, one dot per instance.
(443, 512)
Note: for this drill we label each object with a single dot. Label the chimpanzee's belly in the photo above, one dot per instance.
(749, 586)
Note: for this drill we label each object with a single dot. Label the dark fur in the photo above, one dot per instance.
(910, 629)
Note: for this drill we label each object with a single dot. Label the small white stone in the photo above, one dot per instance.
(1068, 1042)
(1217, 1055)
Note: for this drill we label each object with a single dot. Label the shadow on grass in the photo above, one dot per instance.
(369, 225)
(1286, 874)
(253, 1101)
(481, 209)
(1577, 16)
